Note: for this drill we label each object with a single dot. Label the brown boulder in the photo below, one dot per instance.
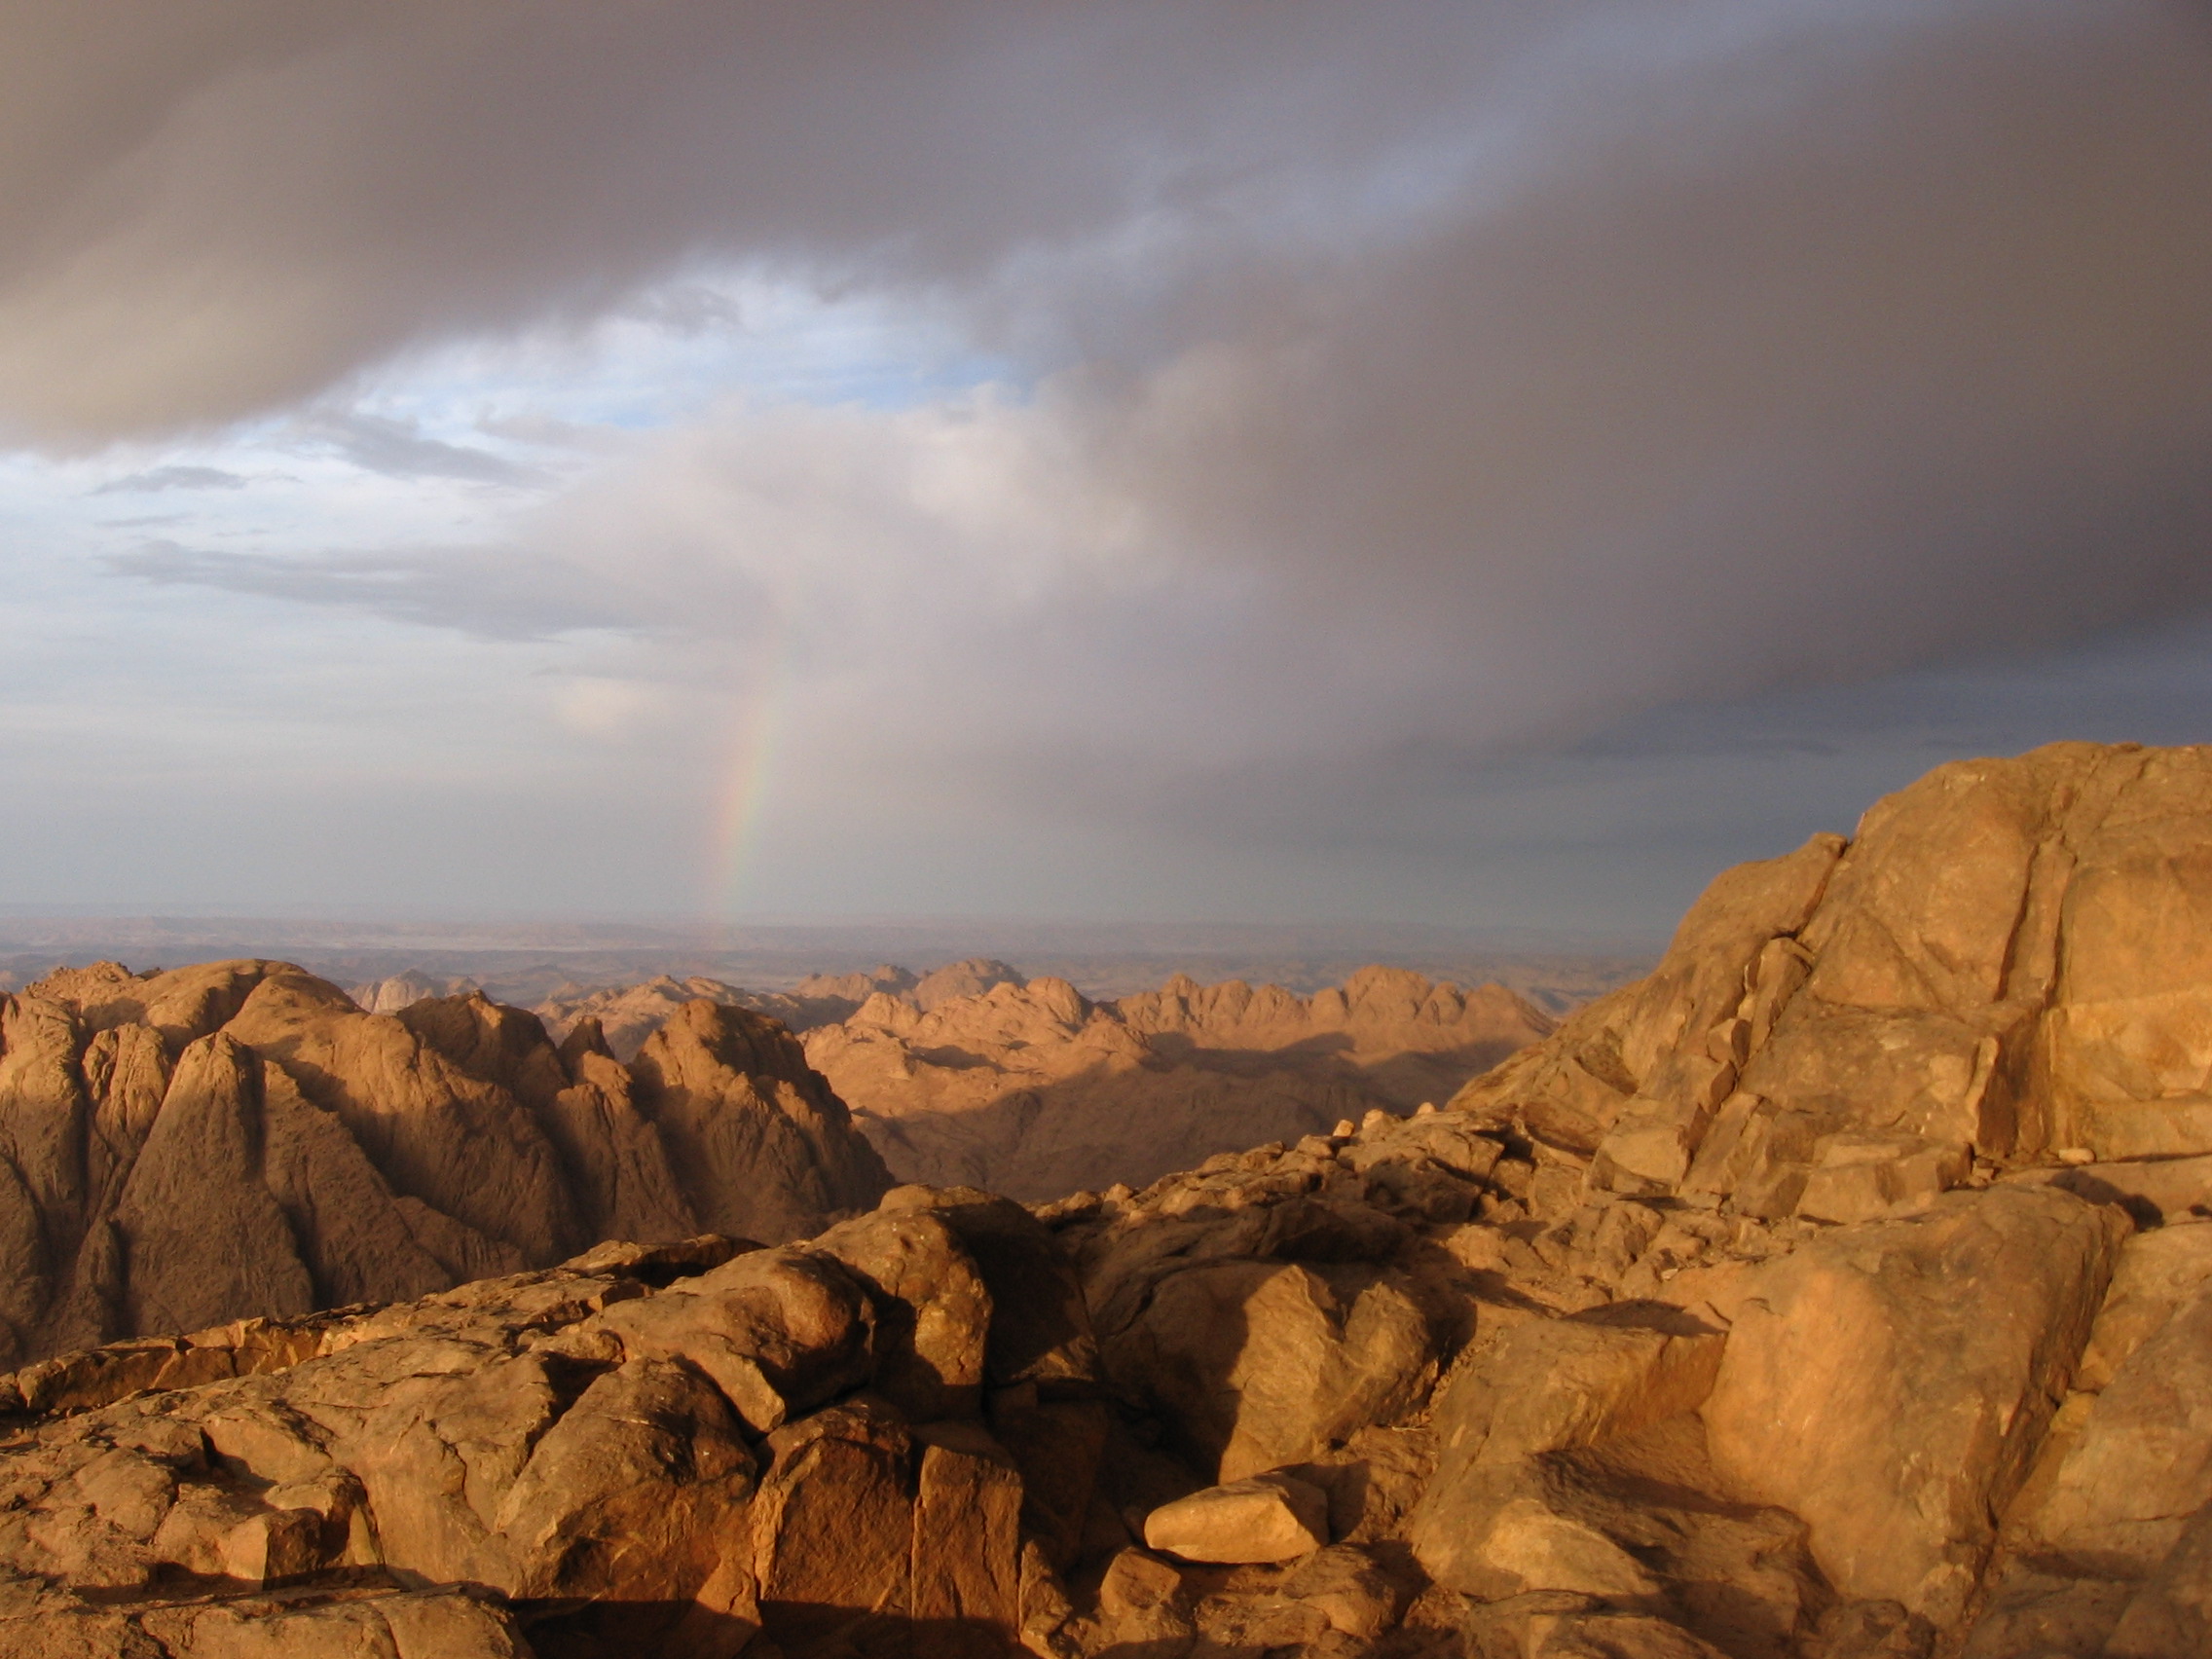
(933, 1310)
(626, 1493)
(1040, 1330)
(777, 1331)
(865, 1534)
(1890, 1384)
(1490, 1522)
(1264, 1518)
(1256, 1365)
(2139, 1463)
(2170, 1614)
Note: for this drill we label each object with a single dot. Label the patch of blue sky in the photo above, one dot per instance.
(676, 349)
(438, 438)
(444, 444)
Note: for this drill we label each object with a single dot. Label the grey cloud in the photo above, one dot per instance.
(688, 310)
(229, 209)
(475, 591)
(173, 478)
(1722, 342)
(397, 449)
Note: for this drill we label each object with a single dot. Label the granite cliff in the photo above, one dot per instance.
(240, 1138)
(1841, 1291)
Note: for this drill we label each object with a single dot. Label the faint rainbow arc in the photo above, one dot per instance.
(747, 773)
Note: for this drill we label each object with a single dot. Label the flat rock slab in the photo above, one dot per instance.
(1272, 1517)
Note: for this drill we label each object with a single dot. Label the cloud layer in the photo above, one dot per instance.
(1374, 394)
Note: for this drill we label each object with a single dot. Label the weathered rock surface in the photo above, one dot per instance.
(646, 1450)
(1863, 1391)
(2005, 965)
(1807, 1301)
(237, 1140)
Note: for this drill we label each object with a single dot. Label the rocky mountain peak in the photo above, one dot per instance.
(240, 1138)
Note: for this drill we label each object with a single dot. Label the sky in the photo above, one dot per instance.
(1482, 464)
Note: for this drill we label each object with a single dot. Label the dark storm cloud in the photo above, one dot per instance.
(1457, 377)
(216, 209)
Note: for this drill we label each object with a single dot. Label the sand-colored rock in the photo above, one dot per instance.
(2002, 966)
(2171, 1613)
(1811, 1300)
(207, 1239)
(238, 1140)
(1258, 1364)
(1262, 1517)
(1511, 1511)
(2141, 1463)
(1030, 1088)
(401, 1624)
(1891, 1384)
(396, 991)
(933, 1309)
(625, 1015)
(760, 1146)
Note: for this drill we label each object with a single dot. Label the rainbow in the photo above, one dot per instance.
(755, 732)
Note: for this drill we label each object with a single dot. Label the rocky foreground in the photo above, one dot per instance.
(1843, 1290)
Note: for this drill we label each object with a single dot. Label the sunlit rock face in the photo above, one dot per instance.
(1813, 1299)
(239, 1138)
(1029, 1087)
(2010, 962)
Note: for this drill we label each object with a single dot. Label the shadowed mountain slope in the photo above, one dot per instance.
(1032, 1089)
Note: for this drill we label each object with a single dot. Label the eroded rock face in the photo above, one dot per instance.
(239, 1139)
(2006, 964)
(626, 1015)
(956, 1426)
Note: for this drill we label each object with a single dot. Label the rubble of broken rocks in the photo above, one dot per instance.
(1667, 1340)
(1415, 1389)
